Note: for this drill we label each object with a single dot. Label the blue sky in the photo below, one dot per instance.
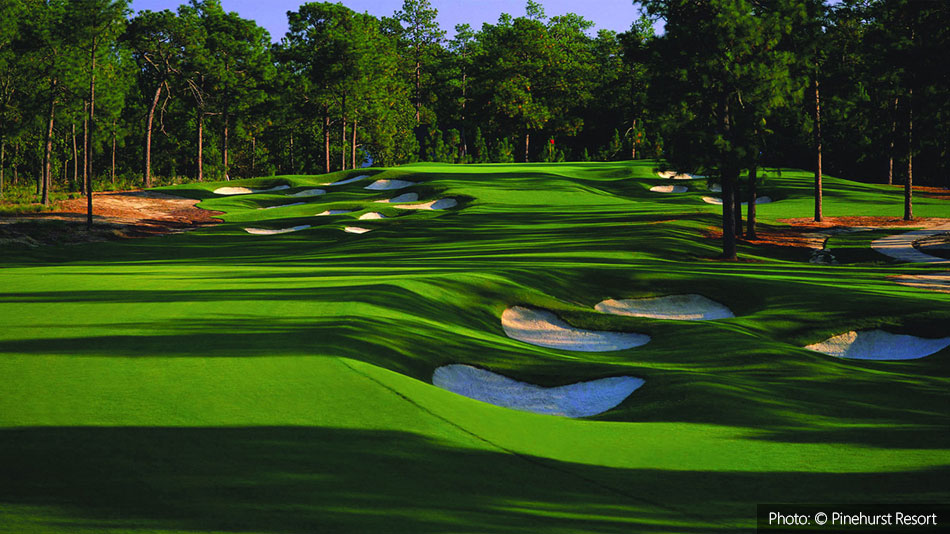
(272, 14)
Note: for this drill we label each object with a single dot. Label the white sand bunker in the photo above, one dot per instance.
(355, 230)
(308, 193)
(387, 185)
(879, 345)
(715, 188)
(348, 180)
(334, 212)
(674, 307)
(582, 399)
(543, 328)
(247, 190)
(674, 175)
(718, 201)
(669, 189)
(268, 231)
(283, 206)
(405, 197)
(441, 204)
(372, 215)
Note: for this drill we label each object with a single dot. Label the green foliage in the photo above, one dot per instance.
(503, 151)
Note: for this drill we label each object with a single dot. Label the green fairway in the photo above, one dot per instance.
(218, 381)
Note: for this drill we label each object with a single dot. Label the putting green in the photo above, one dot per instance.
(217, 381)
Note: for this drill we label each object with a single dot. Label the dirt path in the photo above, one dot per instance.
(116, 215)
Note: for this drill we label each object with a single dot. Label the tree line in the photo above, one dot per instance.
(92, 95)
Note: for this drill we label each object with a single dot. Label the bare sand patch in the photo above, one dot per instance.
(372, 215)
(355, 230)
(388, 185)
(333, 212)
(545, 329)
(582, 399)
(441, 204)
(405, 197)
(239, 190)
(718, 201)
(669, 189)
(879, 345)
(308, 193)
(276, 231)
(689, 307)
(939, 282)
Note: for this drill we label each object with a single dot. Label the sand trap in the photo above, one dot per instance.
(879, 345)
(283, 206)
(268, 231)
(669, 189)
(355, 230)
(932, 282)
(715, 188)
(372, 215)
(674, 307)
(334, 212)
(387, 185)
(308, 193)
(675, 176)
(405, 197)
(441, 204)
(543, 328)
(582, 399)
(718, 201)
(348, 180)
(247, 190)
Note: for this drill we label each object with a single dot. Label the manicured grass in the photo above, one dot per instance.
(221, 381)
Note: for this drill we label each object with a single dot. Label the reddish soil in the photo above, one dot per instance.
(116, 215)
(941, 193)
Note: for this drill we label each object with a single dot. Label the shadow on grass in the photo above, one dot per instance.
(314, 479)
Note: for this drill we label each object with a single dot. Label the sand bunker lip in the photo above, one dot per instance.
(718, 201)
(669, 189)
(879, 345)
(308, 193)
(582, 399)
(675, 176)
(275, 231)
(347, 181)
(247, 190)
(372, 215)
(282, 206)
(333, 212)
(689, 307)
(441, 204)
(545, 329)
(388, 185)
(355, 230)
(405, 197)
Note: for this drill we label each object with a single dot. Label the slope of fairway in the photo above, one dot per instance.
(217, 381)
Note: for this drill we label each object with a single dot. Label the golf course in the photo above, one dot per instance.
(296, 369)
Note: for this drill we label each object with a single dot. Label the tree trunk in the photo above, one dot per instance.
(729, 173)
(224, 149)
(890, 151)
(353, 146)
(114, 135)
(148, 136)
(75, 181)
(909, 185)
(292, 152)
(418, 87)
(633, 140)
(3, 154)
(85, 150)
(92, 128)
(326, 138)
(343, 136)
(750, 232)
(16, 166)
(527, 140)
(737, 208)
(253, 156)
(49, 144)
(201, 140)
(818, 214)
